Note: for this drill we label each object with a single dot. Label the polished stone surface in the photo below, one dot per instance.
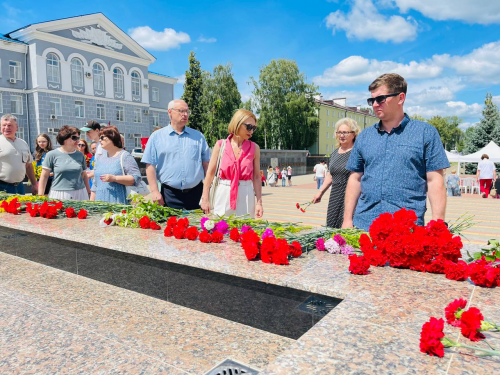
(374, 330)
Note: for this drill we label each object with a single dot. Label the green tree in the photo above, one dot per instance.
(286, 106)
(483, 132)
(418, 117)
(221, 99)
(193, 92)
(448, 129)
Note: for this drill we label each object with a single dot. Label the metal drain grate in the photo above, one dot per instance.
(15, 235)
(230, 367)
(317, 306)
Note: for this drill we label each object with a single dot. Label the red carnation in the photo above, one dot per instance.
(34, 212)
(205, 237)
(191, 233)
(184, 222)
(154, 226)
(217, 237)
(179, 232)
(168, 231)
(302, 210)
(172, 221)
(251, 250)
(108, 221)
(70, 212)
(297, 205)
(82, 214)
(359, 265)
(295, 249)
(249, 236)
(234, 235)
(280, 255)
(453, 312)
(267, 249)
(482, 274)
(145, 222)
(456, 271)
(470, 324)
(58, 205)
(430, 337)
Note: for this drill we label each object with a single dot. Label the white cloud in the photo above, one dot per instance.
(451, 108)
(496, 100)
(202, 39)
(353, 98)
(181, 79)
(364, 22)
(158, 40)
(359, 70)
(11, 11)
(478, 11)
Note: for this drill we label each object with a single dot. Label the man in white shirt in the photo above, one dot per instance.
(15, 159)
(485, 175)
(320, 170)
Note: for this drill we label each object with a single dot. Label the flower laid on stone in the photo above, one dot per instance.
(320, 244)
(245, 228)
(269, 249)
(358, 265)
(82, 214)
(332, 246)
(70, 212)
(234, 235)
(267, 233)
(453, 312)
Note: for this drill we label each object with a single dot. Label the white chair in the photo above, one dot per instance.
(467, 185)
(475, 187)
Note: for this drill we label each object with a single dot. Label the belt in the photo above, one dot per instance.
(10, 183)
(180, 190)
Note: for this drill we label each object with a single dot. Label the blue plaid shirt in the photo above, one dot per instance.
(178, 157)
(394, 167)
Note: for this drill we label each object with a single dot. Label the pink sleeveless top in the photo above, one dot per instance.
(236, 170)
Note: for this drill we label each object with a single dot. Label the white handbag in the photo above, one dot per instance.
(141, 187)
(215, 181)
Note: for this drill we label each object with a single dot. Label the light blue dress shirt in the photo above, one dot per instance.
(178, 157)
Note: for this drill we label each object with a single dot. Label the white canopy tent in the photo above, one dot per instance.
(491, 149)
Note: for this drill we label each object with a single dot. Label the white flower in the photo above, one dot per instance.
(209, 224)
(332, 246)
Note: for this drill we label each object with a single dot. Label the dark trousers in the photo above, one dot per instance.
(182, 199)
(11, 189)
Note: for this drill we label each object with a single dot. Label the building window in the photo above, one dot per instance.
(120, 113)
(55, 106)
(327, 124)
(20, 133)
(79, 109)
(136, 84)
(53, 72)
(15, 70)
(327, 135)
(338, 115)
(16, 104)
(101, 113)
(118, 81)
(328, 112)
(137, 115)
(156, 94)
(98, 71)
(326, 148)
(137, 140)
(76, 72)
(1, 103)
(156, 119)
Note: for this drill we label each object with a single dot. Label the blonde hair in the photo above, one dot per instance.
(353, 125)
(239, 117)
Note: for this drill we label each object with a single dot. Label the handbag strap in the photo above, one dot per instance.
(221, 152)
(121, 163)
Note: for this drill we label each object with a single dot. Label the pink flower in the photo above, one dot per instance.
(320, 244)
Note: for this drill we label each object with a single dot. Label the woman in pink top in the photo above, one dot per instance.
(239, 171)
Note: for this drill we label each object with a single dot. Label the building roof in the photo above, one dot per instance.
(3, 37)
(331, 103)
(158, 74)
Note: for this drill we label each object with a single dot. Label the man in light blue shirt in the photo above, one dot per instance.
(178, 157)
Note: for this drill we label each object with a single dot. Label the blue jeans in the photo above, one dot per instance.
(283, 181)
(319, 181)
(11, 189)
(454, 191)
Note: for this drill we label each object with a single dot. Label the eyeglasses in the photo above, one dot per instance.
(182, 111)
(250, 127)
(379, 99)
(75, 137)
(81, 145)
(102, 137)
(343, 133)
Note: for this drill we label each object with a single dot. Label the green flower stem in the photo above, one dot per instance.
(486, 352)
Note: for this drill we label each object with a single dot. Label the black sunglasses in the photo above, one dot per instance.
(379, 99)
(102, 137)
(75, 137)
(251, 127)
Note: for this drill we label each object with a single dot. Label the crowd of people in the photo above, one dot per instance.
(398, 162)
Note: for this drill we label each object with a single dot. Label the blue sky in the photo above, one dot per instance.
(448, 50)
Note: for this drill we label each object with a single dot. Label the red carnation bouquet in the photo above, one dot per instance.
(270, 249)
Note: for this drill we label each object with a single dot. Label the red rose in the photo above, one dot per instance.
(430, 337)
(191, 233)
(456, 271)
(295, 249)
(217, 237)
(179, 232)
(452, 310)
(168, 231)
(359, 265)
(154, 226)
(470, 324)
(205, 237)
(144, 222)
(172, 221)
(70, 212)
(234, 235)
(82, 214)
(251, 250)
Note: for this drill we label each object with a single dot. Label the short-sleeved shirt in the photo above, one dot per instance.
(486, 169)
(14, 154)
(67, 169)
(394, 167)
(178, 157)
(320, 170)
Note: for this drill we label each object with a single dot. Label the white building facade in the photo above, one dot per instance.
(69, 71)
